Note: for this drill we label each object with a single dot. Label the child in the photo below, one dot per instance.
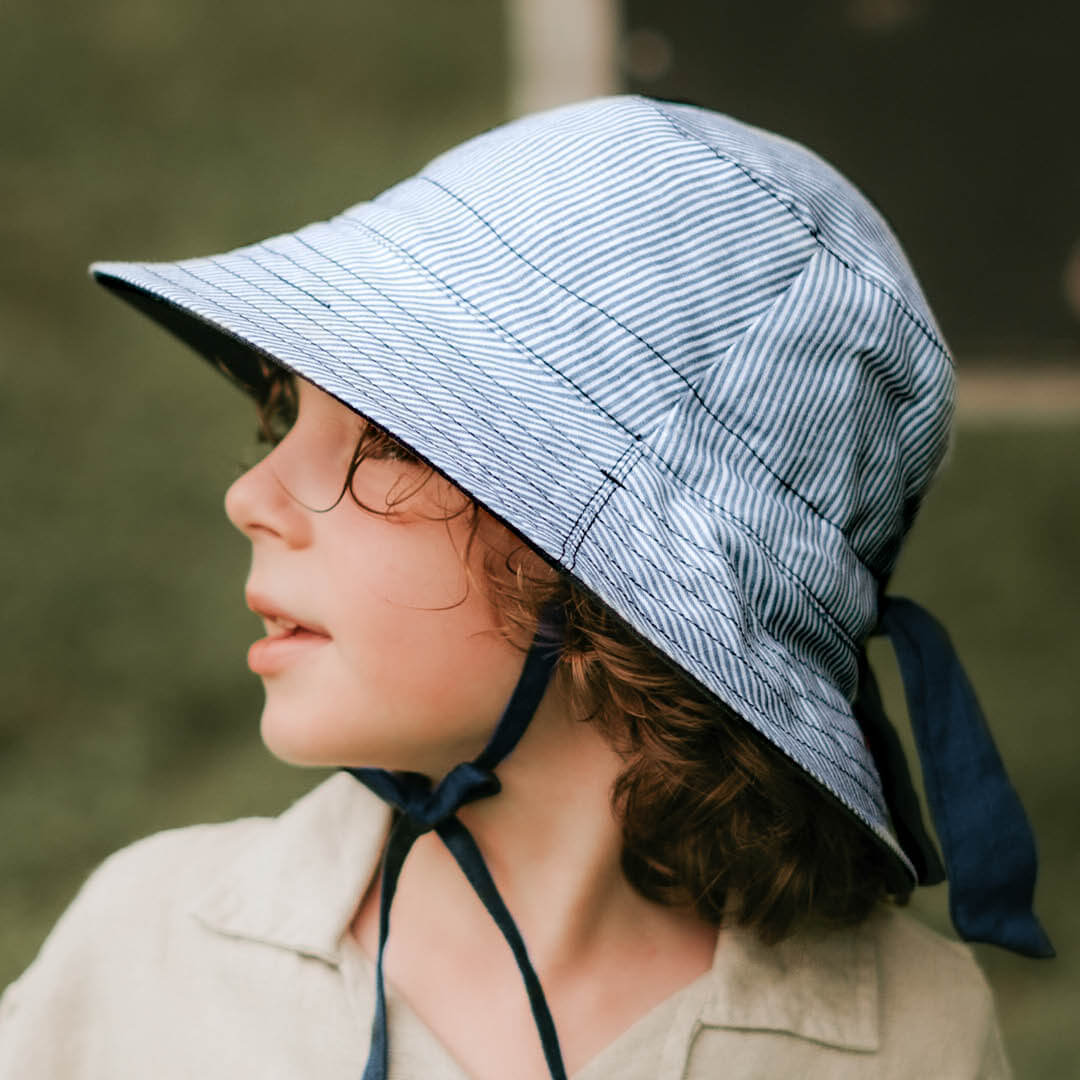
(594, 448)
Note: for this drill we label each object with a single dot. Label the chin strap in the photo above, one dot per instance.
(986, 840)
(424, 809)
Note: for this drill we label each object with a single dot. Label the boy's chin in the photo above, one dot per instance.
(295, 743)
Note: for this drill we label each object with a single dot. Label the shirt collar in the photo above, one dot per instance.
(820, 985)
(298, 884)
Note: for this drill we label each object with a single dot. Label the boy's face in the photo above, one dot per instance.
(380, 676)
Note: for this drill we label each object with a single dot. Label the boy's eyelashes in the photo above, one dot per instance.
(277, 407)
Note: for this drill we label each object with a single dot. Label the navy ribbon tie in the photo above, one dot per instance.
(423, 808)
(987, 843)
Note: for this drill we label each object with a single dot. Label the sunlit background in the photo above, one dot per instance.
(160, 130)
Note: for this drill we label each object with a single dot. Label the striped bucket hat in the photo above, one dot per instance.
(689, 362)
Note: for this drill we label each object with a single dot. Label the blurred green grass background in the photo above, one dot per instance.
(136, 128)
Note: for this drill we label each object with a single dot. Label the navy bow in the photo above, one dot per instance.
(423, 808)
(986, 840)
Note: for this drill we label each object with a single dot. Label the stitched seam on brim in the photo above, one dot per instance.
(609, 481)
(685, 587)
(766, 637)
(340, 370)
(446, 386)
(797, 721)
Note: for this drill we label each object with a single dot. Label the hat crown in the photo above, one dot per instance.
(689, 272)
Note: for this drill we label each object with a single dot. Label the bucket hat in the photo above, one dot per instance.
(689, 362)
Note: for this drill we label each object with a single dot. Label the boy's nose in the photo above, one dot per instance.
(259, 504)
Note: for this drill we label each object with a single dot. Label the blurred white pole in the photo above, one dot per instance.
(562, 50)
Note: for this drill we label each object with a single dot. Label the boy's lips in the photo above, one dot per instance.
(278, 620)
(288, 637)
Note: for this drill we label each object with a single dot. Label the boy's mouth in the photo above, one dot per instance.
(279, 623)
(279, 628)
(287, 638)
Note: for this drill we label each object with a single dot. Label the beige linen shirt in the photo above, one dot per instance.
(221, 952)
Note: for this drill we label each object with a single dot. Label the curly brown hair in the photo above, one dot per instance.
(714, 817)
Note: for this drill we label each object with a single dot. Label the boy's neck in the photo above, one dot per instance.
(604, 954)
(551, 839)
(553, 846)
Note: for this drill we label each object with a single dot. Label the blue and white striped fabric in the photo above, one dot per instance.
(682, 356)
